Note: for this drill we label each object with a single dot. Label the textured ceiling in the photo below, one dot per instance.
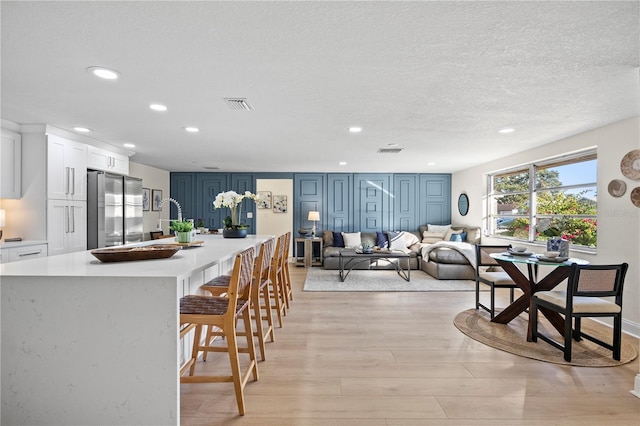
(437, 78)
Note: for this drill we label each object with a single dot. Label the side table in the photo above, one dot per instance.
(308, 259)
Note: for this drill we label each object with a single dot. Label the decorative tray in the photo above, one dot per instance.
(122, 254)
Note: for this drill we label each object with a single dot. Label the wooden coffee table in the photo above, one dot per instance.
(349, 259)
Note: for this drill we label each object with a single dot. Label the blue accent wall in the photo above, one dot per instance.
(347, 202)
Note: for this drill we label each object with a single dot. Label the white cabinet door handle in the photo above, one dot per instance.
(32, 253)
(66, 221)
(66, 182)
(73, 181)
(72, 213)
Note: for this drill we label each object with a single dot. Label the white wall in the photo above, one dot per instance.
(268, 222)
(618, 218)
(152, 178)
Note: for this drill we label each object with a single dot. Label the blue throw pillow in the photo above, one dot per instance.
(458, 237)
(338, 241)
(381, 240)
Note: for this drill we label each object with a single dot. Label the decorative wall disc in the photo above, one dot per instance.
(617, 188)
(630, 164)
(635, 196)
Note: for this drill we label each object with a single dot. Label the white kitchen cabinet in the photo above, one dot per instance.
(23, 250)
(66, 226)
(102, 159)
(10, 165)
(66, 169)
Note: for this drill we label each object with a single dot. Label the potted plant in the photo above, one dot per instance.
(182, 229)
(200, 226)
(233, 227)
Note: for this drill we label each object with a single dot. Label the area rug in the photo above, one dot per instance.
(319, 279)
(512, 338)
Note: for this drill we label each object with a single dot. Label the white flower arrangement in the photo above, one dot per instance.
(233, 201)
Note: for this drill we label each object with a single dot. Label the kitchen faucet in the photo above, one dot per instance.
(171, 200)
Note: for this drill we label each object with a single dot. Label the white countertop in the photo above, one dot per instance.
(83, 264)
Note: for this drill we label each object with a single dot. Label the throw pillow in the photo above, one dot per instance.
(396, 241)
(450, 232)
(381, 240)
(438, 228)
(432, 237)
(352, 239)
(338, 241)
(461, 237)
(327, 238)
(410, 238)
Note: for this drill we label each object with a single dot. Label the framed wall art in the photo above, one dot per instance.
(264, 198)
(156, 196)
(146, 199)
(279, 203)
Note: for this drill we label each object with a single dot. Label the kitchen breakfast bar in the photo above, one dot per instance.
(88, 343)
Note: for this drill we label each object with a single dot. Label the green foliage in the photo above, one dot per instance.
(184, 226)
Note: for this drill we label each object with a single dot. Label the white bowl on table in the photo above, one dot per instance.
(518, 249)
(551, 254)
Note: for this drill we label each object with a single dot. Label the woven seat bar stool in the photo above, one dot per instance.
(223, 313)
(277, 282)
(260, 297)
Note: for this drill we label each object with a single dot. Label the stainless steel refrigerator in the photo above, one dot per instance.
(114, 210)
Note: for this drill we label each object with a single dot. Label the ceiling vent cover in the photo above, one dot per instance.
(238, 104)
(389, 150)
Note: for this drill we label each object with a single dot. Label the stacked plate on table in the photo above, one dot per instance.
(520, 253)
(556, 259)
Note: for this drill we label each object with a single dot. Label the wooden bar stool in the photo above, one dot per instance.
(277, 284)
(285, 270)
(223, 312)
(260, 296)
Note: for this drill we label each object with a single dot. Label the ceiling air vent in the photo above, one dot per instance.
(389, 150)
(211, 168)
(238, 104)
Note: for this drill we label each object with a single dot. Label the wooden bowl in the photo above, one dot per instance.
(123, 254)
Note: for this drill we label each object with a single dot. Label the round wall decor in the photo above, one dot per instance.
(630, 164)
(635, 196)
(617, 188)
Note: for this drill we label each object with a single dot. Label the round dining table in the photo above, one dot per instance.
(529, 284)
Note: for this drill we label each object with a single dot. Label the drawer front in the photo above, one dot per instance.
(28, 252)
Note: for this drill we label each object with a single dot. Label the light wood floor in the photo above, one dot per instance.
(374, 359)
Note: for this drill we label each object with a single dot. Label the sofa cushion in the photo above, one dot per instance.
(451, 232)
(352, 239)
(410, 238)
(438, 228)
(338, 241)
(447, 255)
(381, 240)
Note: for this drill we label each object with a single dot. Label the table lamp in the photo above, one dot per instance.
(313, 216)
(2, 221)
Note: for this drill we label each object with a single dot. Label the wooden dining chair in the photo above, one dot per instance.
(586, 286)
(489, 272)
(223, 312)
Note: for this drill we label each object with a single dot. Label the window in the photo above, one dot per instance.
(546, 199)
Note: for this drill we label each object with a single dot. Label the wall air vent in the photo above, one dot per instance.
(238, 104)
(389, 150)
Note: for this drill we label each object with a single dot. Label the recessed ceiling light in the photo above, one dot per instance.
(128, 145)
(431, 163)
(105, 73)
(191, 129)
(355, 129)
(506, 130)
(82, 129)
(343, 163)
(393, 144)
(158, 107)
